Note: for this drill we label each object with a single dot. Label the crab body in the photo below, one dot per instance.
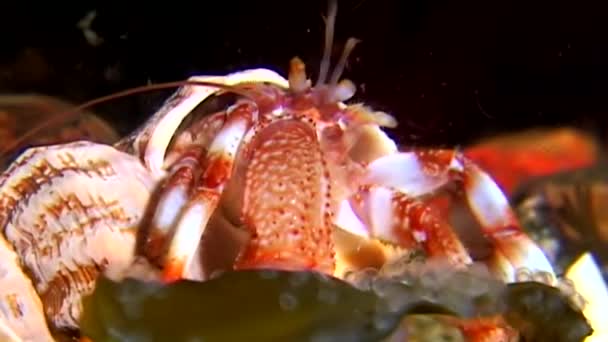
(288, 168)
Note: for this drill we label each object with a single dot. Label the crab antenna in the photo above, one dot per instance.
(330, 23)
(348, 49)
(72, 113)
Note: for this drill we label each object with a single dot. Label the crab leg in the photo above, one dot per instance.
(172, 200)
(417, 173)
(157, 135)
(393, 216)
(206, 193)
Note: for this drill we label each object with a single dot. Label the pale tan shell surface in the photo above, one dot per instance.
(69, 212)
(21, 314)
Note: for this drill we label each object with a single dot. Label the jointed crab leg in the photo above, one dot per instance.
(205, 196)
(513, 248)
(416, 173)
(184, 159)
(172, 199)
(152, 144)
(409, 222)
(166, 121)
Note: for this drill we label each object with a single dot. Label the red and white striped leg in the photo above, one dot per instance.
(155, 137)
(422, 172)
(393, 216)
(172, 199)
(188, 203)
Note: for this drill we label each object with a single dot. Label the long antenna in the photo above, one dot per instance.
(66, 115)
(348, 49)
(332, 11)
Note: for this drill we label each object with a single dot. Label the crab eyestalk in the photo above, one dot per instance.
(298, 83)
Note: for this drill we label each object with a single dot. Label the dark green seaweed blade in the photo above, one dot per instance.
(244, 305)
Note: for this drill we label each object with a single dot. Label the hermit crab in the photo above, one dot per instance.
(288, 176)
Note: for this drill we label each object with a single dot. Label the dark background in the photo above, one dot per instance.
(450, 71)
